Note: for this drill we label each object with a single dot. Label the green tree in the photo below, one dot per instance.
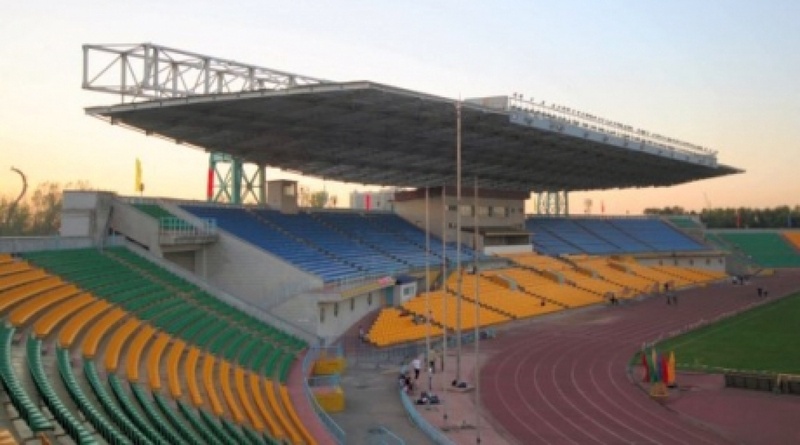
(674, 210)
(39, 215)
(319, 199)
(13, 222)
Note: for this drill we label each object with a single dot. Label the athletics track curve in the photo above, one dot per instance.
(564, 379)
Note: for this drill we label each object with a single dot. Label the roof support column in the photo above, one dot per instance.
(229, 182)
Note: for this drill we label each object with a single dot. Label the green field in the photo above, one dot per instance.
(765, 339)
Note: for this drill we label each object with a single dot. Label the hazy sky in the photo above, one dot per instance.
(722, 74)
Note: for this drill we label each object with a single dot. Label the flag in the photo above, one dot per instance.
(646, 367)
(138, 185)
(671, 367)
(654, 374)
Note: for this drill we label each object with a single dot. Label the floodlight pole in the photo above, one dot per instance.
(444, 296)
(428, 289)
(475, 247)
(459, 274)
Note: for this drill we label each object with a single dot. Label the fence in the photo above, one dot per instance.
(431, 431)
(308, 361)
(383, 436)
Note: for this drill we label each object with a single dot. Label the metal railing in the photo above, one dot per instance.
(383, 436)
(335, 430)
(435, 434)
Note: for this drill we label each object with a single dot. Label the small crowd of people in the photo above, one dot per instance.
(739, 279)
(408, 383)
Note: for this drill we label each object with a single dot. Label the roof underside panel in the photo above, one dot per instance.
(368, 133)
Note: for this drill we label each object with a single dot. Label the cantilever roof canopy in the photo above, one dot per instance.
(363, 132)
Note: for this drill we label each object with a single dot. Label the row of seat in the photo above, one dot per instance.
(110, 335)
(237, 402)
(444, 310)
(607, 236)
(334, 246)
(20, 398)
(395, 326)
(540, 285)
(793, 238)
(71, 424)
(6, 438)
(515, 303)
(102, 425)
(187, 311)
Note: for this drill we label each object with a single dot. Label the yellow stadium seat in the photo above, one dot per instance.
(133, 359)
(209, 380)
(224, 377)
(154, 361)
(173, 360)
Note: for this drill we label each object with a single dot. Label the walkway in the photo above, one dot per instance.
(564, 379)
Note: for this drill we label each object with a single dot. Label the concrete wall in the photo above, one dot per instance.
(234, 301)
(136, 225)
(283, 195)
(36, 243)
(333, 322)
(253, 274)
(318, 313)
(498, 250)
(414, 212)
(404, 292)
(86, 213)
(185, 259)
(715, 263)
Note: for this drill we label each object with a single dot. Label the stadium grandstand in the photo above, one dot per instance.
(161, 320)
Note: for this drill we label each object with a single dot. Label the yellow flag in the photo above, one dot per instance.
(138, 185)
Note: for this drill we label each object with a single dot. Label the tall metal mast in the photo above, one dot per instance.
(459, 275)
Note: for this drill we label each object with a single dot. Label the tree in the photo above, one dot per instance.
(319, 199)
(40, 215)
(674, 210)
(744, 217)
(13, 224)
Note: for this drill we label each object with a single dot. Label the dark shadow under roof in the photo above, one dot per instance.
(368, 133)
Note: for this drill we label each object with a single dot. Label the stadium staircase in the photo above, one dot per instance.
(151, 224)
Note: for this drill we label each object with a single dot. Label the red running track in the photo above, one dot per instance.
(565, 380)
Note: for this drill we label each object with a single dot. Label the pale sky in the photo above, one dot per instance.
(721, 74)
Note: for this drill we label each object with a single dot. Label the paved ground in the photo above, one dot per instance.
(373, 400)
(565, 379)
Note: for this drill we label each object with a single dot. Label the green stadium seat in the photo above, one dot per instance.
(107, 430)
(170, 413)
(164, 428)
(20, 398)
(71, 425)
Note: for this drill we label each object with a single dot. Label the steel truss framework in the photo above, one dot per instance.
(369, 133)
(229, 182)
(147, 71)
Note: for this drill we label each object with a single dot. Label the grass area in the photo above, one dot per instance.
(764, 339)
